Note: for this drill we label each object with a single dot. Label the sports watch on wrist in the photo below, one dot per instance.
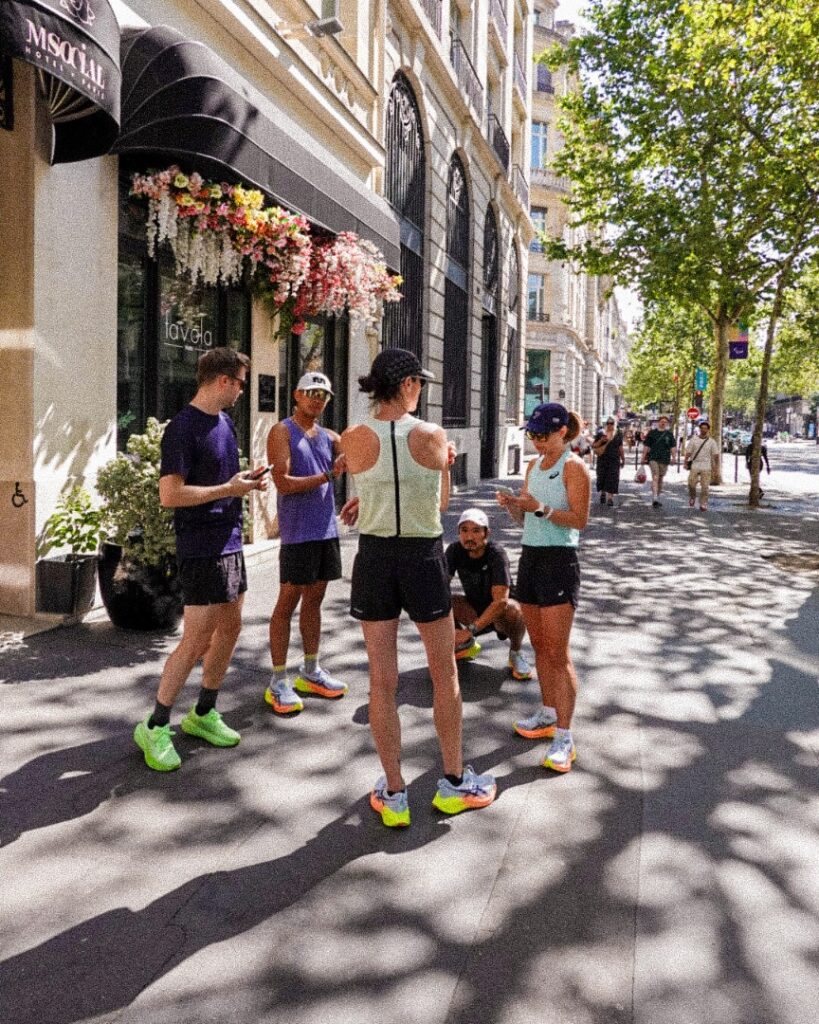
(540, 511)
(471, 628)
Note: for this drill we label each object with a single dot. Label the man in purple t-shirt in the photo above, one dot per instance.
(306, 459)
(200, 479)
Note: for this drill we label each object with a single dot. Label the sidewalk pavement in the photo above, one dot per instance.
(670, 878)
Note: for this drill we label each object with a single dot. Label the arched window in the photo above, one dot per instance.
(513, 338)
(456, 297)
(405, 191)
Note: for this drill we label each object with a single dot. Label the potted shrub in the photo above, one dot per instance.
(67, 583)
(137, 571)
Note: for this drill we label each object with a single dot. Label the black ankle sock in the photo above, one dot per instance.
(207, 701)
(161, 716)
(456, 780)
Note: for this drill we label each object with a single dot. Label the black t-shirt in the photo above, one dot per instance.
(479, 575)
(611, 453)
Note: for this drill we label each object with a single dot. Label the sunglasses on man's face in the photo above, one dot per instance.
(317, 393)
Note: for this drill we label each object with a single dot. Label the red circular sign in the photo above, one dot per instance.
(693, 413)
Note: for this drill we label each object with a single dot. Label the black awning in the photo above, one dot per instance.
(74, 44)
(182, 102)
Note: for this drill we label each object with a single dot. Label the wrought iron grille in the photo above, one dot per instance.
(520, 185)
(404, 142)
(457, 215)
(456, 332)
(543, 79)
(512, 337)
(497, 136)
(466, 74)
(432, 9)
(490, 251)
(405, 191)
(499, 17)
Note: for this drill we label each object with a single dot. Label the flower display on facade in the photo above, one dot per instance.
(221, 233)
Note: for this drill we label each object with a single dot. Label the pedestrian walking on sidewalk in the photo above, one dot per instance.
(306, 459)
(482, 566)
(200, 480)
(763, 458)
(553, 508)
(608, 447)
(701, 462)
(660, 451)
(401, 469)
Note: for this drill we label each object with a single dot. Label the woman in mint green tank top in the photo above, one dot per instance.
(553, 508)
(401, 470)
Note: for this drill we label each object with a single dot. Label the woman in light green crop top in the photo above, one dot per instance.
(400, 465)
(553, 507)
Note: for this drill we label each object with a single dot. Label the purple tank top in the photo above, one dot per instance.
(312, 515)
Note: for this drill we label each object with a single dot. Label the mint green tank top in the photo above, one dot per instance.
(547, 486)
(397, 497)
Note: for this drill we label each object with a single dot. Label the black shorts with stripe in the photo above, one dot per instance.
(548, 576)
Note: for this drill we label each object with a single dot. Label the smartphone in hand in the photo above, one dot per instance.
(257, 474)
(507, 491)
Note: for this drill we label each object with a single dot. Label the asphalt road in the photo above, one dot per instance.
(671, 878)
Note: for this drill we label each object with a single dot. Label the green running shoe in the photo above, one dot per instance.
(209, 727)
(157, 746)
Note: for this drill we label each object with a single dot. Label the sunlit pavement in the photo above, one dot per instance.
(671, 878)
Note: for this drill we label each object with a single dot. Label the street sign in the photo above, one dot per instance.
(693, 413)
(737, 349)
(700, 380)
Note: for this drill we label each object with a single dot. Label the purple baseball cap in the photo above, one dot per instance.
(547, 418)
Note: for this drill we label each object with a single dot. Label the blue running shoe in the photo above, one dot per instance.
(320, 683)
(474, 791)
(283, 698)
(394, 810)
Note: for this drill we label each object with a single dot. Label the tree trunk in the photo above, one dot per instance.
(762, 397)
(718, 386)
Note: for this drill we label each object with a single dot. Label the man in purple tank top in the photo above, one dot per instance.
(306, 459)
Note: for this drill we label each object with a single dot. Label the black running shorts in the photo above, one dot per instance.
(217, 580)
(311, 561)
(395, 573)
(548, 576)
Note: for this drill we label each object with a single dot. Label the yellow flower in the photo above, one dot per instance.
(185, 200)
(215, 191)
(239, 196)
(255, 199)
(181, 181)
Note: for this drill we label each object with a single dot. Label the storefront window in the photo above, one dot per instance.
(538, 365)
(164, 324)
(322, 347)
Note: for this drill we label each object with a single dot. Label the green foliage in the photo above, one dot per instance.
(129, 487)
(672, 341)
(75, 523)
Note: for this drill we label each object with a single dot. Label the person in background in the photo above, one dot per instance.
(401, 469)
(660, 451)
(200, 480)
(482, 566)
(702, 460)
(553, 508)
(306, 460)
(608, 447)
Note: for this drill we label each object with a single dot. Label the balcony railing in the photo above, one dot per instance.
(539, 316)
(540, 176)
(466, 74)
(432, 9)
(520, 78)
(499, 17)
(520, 186)
(497, 136)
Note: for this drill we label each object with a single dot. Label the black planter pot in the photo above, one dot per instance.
(139, 597)
(66, 584)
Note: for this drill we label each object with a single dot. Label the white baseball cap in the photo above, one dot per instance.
(474, 515)
(314, 380)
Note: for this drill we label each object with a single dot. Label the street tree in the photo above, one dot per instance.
(671, 342)
(690, 145)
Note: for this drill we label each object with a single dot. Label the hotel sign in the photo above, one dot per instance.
(76, 42)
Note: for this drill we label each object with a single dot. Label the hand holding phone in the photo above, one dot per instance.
(257, 474)
(507, 491)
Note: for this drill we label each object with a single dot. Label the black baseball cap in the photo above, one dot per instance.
(393, 365)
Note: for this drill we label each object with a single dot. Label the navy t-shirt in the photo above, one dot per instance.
(202, 449)
(479, 575)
